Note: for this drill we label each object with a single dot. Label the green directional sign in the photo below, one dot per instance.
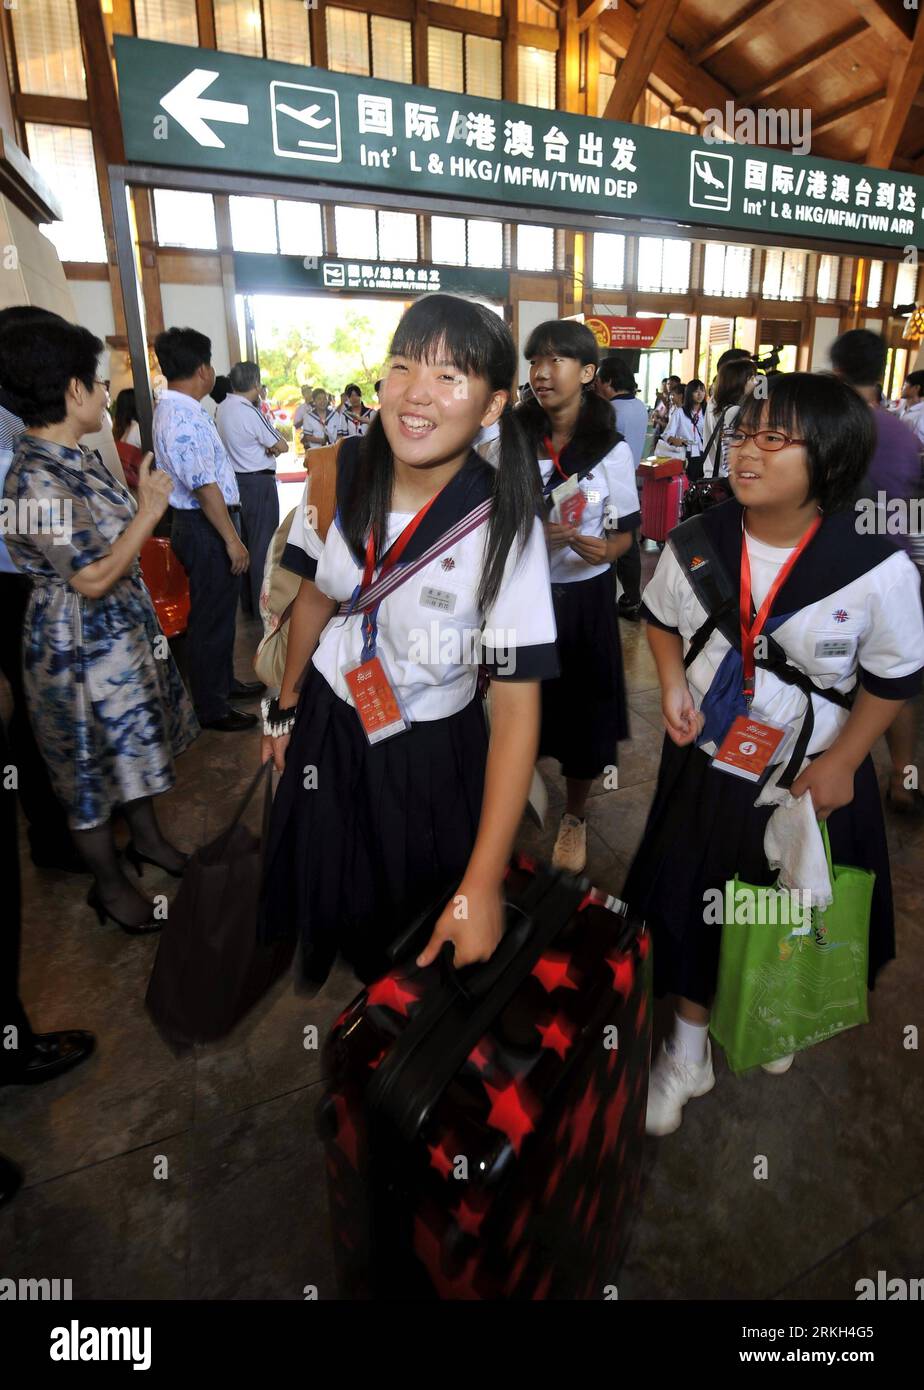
(258, 273)
(206, 110)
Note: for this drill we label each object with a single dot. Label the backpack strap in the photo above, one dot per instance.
(322, 473)
(713, 586)
(710, 582)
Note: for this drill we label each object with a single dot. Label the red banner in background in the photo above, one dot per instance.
(612, 332)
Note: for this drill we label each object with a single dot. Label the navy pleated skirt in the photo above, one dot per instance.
(703, 828)
(584, 709)
(365, 837)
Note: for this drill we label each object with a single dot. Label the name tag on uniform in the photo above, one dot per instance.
(748, 748)
(835, 646)
(375, 700)
(443, 600)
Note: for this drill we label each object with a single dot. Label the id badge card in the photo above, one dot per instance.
(568, 502)
(749, 747)
(375, 699)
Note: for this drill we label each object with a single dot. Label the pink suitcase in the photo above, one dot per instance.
(662, 499)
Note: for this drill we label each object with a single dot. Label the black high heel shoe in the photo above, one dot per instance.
(102, 911)
(136, 858)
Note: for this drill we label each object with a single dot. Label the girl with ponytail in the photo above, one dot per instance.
(392, 790)
(591, 504)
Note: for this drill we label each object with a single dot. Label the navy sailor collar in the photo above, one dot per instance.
(837, 556)
(472, 485)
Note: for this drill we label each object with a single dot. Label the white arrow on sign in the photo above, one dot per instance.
(185, 104)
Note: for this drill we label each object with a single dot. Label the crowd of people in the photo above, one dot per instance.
(510, 515)
(316, 422)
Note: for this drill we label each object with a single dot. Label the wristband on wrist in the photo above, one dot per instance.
(277, 722)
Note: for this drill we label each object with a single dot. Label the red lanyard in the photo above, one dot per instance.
(394, 552)
(750, 630)
(547, 444)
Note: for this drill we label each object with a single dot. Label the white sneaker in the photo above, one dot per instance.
(570, 852)
(781, 1065)
(674, 1081)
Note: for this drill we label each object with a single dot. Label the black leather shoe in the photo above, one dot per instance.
(11, 1178)
(232, 723)
(51, 1054)
(246, 690)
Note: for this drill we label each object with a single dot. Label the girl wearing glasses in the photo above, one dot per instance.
(846, 614)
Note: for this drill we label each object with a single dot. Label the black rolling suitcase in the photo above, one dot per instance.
(484, 1128)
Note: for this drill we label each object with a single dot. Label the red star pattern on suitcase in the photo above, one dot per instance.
(557, 1035)
(623, 973)
(393, 994)
(547, 1219)
(469, 1216)
(551, 970)
(440, 1159)
(429, 1249)
(582, 1119)
(511, 1112)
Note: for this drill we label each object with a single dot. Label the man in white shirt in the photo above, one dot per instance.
(206, 526)
(252, 445)
(911, 409)
(298, 419)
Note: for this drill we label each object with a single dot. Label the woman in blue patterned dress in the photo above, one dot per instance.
(106, 701)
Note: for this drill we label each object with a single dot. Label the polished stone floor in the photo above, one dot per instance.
(239, 1208)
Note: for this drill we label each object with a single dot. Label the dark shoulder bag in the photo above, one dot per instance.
(704, 493)
(211, 966)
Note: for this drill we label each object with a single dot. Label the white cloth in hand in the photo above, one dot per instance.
(793, 843)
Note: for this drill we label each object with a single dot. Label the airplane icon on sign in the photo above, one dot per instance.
(298, 109)
(306, 115)
(710, 180)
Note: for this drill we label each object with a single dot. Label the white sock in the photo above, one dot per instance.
(689, 1039)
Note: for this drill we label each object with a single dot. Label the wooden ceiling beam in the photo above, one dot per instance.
(904, 84)
(818, 53)
(642, 53)
(693, 85)
(759, 10)
(841, 113)
(880, 18)
(591, 12)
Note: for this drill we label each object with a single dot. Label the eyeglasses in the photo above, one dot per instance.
(768, 441)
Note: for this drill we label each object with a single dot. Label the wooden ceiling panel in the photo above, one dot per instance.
(835, 57)
(772, 46)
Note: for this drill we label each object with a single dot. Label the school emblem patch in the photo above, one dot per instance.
(696, 563)
(448, 564)
(840, 616)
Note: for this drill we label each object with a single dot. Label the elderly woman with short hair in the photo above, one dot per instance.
(108, 706)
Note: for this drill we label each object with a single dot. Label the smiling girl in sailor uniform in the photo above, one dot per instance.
(391, 792)
(845, 617)
(588, 482)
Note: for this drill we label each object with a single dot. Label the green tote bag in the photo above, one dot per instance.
(789, 977)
